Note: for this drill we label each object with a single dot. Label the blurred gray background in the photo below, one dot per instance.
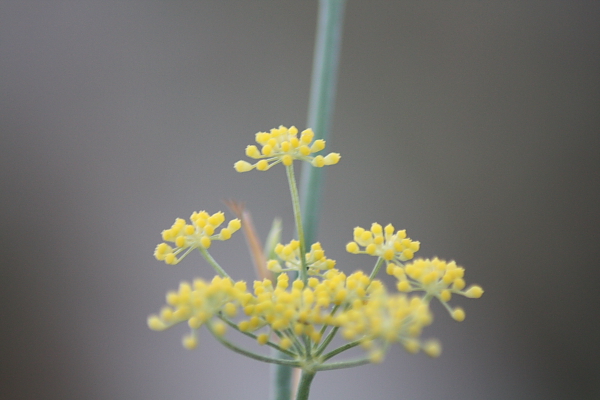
(474, 125)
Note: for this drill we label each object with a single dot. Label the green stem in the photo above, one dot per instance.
(298, 217)
(249, 353)
(323, 345)
(253, 336)
(343, 364)
(281, 376)
(320, 111)
(304, 386)
(340, 349)
(213, 263)
(326, 342)
(321, 104)
(376, 268)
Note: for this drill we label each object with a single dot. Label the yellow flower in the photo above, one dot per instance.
(200, 233)
(282, 145)
(437, 278)
(383, 242)
(384, 319)
(197, 303)
(316, 261)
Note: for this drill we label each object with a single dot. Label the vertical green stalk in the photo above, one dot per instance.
(281, 377)
(304, 386)
(321, 105)
(376, 268)
(320, 111)
(298, 218)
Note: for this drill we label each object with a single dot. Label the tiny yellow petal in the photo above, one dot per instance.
(219, 328)
(459, 284)
(332, 158)
(242, 166)
(474, 292)
(285, 343)
(189, 342)
(458, 314)
(317, 146)
(262, 339)
(446, 295)
(433, 348)
(262, 165)
(267, 150)
(304, 150)
(155, 323)
(287, 160)
(307, 136)
(252, 152)
(352, 247)
(225, 234)
(205, 242)
(234, 225)
(318, 161)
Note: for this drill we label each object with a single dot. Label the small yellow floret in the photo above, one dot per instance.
(318, 161)
(433, 348)
(190, 342)
(317, 146)
(230, 309)
(155, 323)
(352, 247)
(205, 242)
(388, 255)
(458, 284)
(225, 234)
(404, 286)
(234, 225)
(220, 328)
(412, 346)
(244, 326)
(252, 151)
(267, 150)
(262, 165)
(458, 314)
(445, 295)
(332, 158)
(262, 339)
(285, 343)
(242, 166)
(376, 356)
(307, 136)
(287, 160)
(474, 292)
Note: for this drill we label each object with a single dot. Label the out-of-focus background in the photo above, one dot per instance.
(473, 125)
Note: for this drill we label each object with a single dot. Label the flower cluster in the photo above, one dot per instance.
(316, 262)
(386, 319)
(199, 234)
(301, 317)
(198, 303)
(437, 278)
(360, 307)
(385, 242)
(282, 145)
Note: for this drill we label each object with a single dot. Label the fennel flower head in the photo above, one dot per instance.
(308, 300)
